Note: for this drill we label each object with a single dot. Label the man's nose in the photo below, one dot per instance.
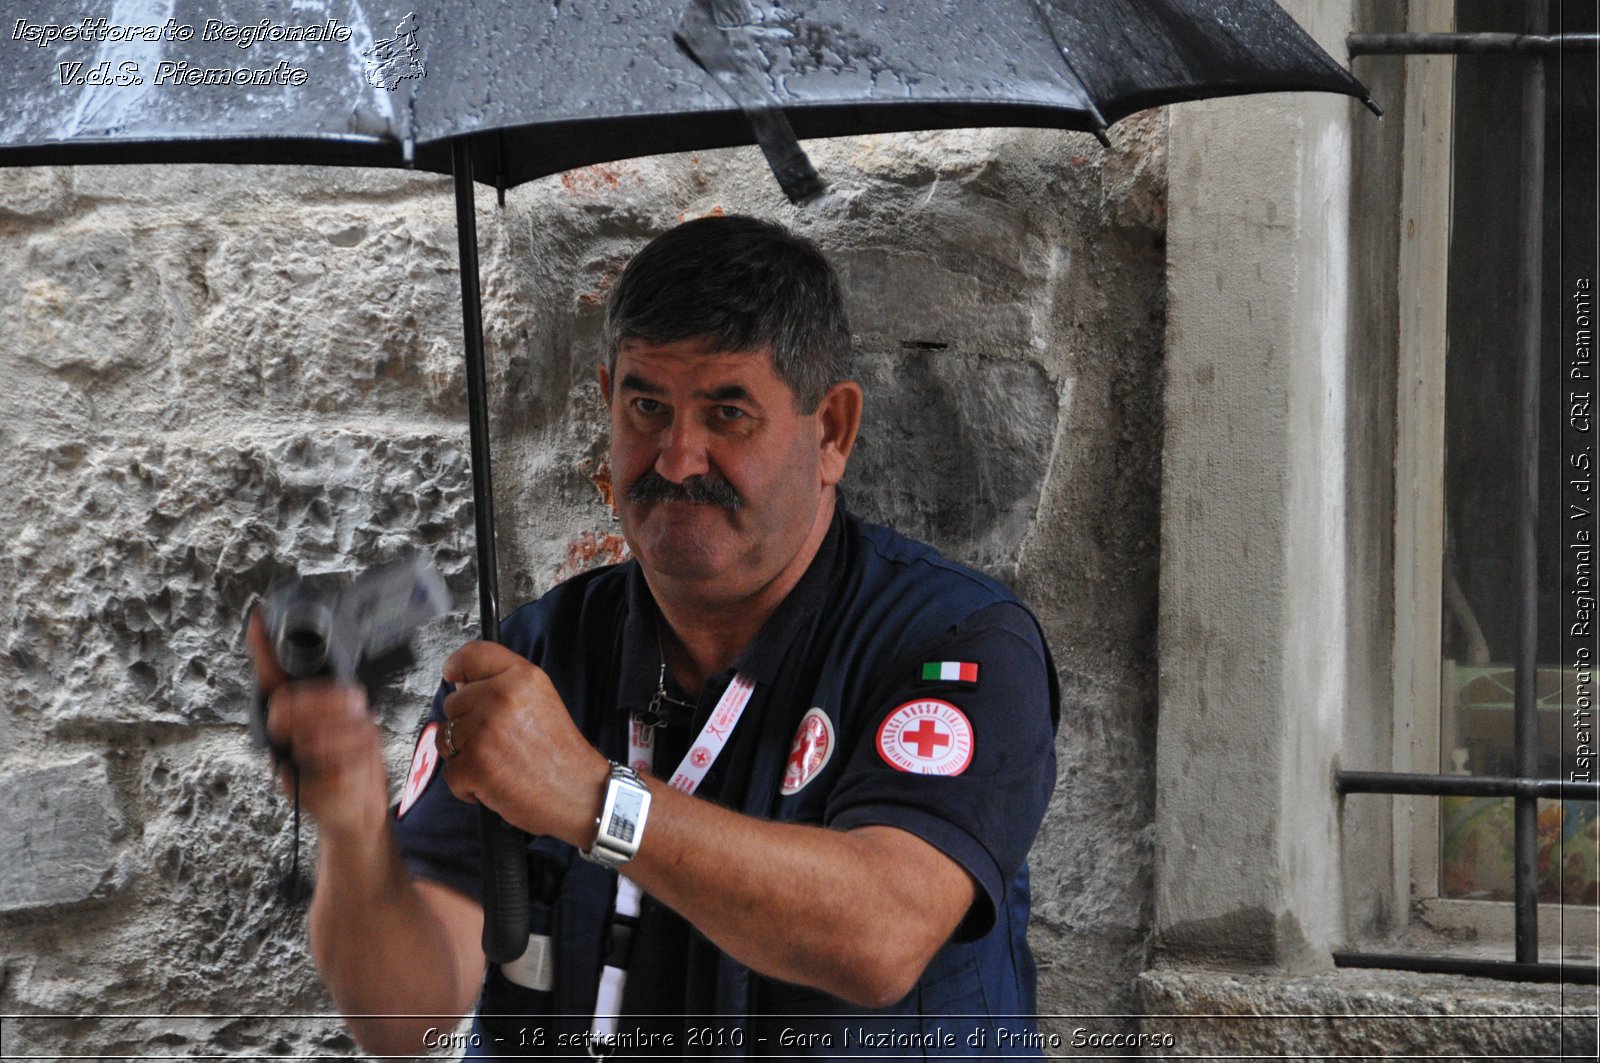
(683, 451)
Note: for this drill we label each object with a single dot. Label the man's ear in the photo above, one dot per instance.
(838, 421)
(605, 384)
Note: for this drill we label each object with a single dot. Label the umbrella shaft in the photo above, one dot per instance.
(477, 397)
(505, 848)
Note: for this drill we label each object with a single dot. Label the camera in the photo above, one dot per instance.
(360, 633)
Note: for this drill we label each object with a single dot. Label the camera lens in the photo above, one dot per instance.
(301, 641)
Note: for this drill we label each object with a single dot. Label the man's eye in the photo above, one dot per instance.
(648, 407)
(730, 413)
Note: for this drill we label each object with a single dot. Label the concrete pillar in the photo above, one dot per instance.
(1253, 625)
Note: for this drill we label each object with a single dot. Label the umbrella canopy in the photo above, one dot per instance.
(541, 88)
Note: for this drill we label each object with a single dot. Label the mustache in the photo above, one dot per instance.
(706, 490)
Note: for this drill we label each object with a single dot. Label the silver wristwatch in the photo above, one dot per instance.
(621, 823)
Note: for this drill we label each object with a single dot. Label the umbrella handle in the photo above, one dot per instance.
(505, 888)
(505, 848)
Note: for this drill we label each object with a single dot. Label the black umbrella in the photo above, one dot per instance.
(507, 92)
(541, 88)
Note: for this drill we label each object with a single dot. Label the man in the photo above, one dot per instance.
(846, 741)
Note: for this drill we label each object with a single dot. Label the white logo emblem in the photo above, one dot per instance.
(808, 755)
(394, 60)
(423, 761)
(926, 737)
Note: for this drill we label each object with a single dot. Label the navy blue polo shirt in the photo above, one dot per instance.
(893, 687)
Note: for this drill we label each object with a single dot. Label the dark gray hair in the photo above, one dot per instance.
(743, 284)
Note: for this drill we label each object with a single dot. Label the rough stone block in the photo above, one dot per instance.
(58, 831)
(133, 575)
(982, 431)
(914, 299)
(216, 847)
(34, 193)
(93, 303)
(323, 312)
(289, 312)
(266, 187)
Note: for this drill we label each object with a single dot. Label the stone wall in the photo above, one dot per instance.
(209, 376)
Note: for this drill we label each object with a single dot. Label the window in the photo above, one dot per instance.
(1481, 596)
(1476, 595)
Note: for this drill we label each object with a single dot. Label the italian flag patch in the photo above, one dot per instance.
(950, 672)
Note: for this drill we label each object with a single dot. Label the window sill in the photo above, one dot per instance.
(1347, 1013)
(1485, 930)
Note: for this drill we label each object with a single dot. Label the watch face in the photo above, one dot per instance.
(625, 807)
(621, 820)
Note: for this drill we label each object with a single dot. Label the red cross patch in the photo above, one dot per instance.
(809, 752)
(423, 763)
(926, 737)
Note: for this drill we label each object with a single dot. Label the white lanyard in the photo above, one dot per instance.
(703, 753)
